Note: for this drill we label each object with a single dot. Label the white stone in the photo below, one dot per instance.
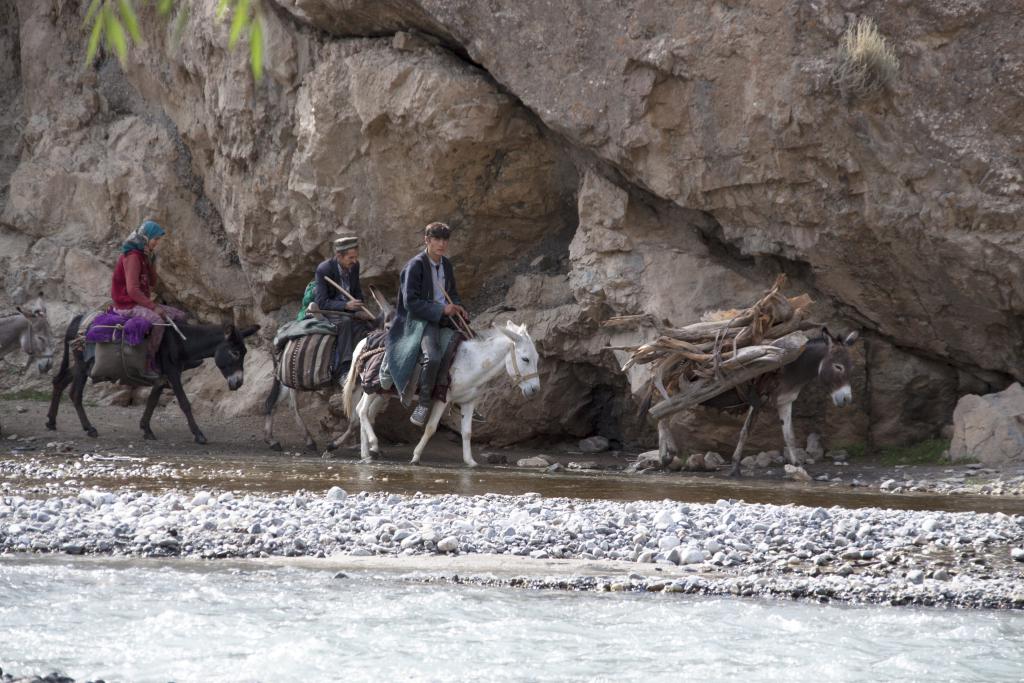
(448, 544)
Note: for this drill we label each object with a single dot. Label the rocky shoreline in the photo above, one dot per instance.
(868, 555)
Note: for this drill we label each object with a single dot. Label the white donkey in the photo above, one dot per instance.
(476, 363)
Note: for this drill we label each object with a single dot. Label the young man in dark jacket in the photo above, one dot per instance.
(427, 292)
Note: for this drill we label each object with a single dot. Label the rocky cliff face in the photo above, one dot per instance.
(596, 160)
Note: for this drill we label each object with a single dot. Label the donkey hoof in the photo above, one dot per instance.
(149, 436)
(734, 472)
(91, 431)
(312, 448)
(52, 426)
(275, 446)
(366, 461)
(200, 439)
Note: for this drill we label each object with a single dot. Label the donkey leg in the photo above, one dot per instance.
(310, 442)
(77, 394)
(667, 448)
(179, 393)
(367, 411)
(737, 454)
(377, 406)
(467, 434)
(60, 382)
(269, 407)
(353, 421)
(147, 414)
(786, 415)
(334, 445)
(428, 430)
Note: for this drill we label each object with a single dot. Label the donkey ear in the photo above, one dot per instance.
(851, 338)
(249, 331)
(24, 313)
(230, 331)
(510, 333)
(826, 335)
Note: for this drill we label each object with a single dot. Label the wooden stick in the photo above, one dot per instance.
(350, 297)
(465, 329)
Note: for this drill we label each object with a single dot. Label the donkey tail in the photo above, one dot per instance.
(65, 361)
(275, 394)
(352, 379)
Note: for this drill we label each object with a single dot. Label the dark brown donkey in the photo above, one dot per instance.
(226, 345)
(826, 358)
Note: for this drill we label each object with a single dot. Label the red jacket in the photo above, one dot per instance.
(134, 280)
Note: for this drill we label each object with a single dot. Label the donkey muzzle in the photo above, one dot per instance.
(44, 365)
(843, 395)
(235, 380)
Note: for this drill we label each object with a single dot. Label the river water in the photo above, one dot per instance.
(151, 620)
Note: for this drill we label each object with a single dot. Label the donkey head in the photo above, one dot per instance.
(522, 361)
(835, 368)
(230, 354)
(37, 339)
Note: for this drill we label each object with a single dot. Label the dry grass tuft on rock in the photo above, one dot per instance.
(866, 62)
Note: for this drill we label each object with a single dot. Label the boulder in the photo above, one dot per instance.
(990, 428)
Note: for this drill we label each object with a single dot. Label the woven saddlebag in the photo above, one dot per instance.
(306, 362)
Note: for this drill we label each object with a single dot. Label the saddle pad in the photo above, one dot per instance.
(306, 362)
(371, 361)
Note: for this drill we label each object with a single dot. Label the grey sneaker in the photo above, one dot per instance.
(420, 415)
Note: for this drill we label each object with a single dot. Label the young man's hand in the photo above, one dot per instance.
(455, 309)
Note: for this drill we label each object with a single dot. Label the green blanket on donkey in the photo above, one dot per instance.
(403, 353)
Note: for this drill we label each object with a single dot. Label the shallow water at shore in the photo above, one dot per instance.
(260, 473)
(152, 620)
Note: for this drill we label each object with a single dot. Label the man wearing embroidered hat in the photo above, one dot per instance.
(133, 285)
(347, 314)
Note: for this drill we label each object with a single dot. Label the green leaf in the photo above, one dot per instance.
(94, 39)
(90, 15)
(115, 37)
(222, 8)
(180, 21)
(131, 21)
(256, 47)
(164, 6)
(238, 22)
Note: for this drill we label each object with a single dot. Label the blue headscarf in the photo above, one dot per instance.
(141, 236)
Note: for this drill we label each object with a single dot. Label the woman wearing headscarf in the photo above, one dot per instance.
(135, 281)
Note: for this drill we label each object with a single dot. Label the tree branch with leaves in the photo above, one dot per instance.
(115, 24)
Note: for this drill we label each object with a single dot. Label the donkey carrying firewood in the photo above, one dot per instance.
(826, 358)
(752, 358)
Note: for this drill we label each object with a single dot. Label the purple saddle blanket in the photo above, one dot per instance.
(104, 329)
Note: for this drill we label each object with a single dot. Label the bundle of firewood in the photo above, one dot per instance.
(696, 362)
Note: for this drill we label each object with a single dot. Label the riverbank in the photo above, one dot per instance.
(698, 534)
(868, 555)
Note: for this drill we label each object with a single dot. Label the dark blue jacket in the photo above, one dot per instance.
(327, 297)
(416, 289)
